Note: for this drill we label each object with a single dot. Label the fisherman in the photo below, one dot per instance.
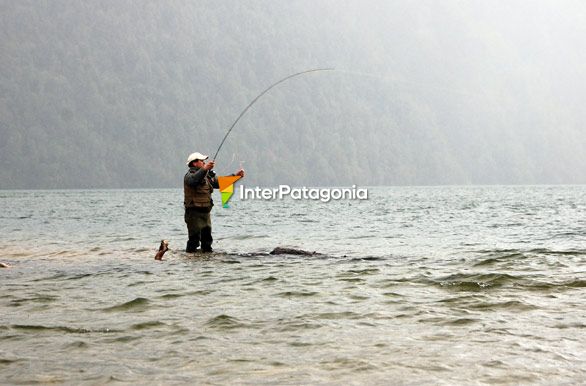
(198, 185)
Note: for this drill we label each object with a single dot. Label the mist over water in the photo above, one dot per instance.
(423, 93)
(415, 285)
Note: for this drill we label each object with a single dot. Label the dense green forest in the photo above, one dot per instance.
(116, 94)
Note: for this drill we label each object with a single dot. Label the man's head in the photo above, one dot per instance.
(196, 159)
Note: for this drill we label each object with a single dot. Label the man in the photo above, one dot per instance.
(198, 185)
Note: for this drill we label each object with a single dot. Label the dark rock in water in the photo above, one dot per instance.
(292, 251)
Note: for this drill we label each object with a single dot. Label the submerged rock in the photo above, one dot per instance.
(292, 251)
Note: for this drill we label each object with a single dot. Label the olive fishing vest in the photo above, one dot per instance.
(199, 196)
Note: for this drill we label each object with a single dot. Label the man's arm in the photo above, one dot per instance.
(194, 177)
(214, 180)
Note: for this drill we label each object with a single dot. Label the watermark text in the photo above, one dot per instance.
(303, 193)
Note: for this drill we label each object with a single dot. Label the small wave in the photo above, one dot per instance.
(79, 276)
(136, 305)
(171, 296)
(297, 294)
(497, 251)
(69, 330)
(574, 284)
(499, 259)
(570, 325)
(267, 280)
(19, 253)
(35, 299)
(4, 361)
(139, 283)
(128, 238)
(390, 283)
(558, 286)
(296, 325)
(147, 325)
(52, 277)
(476, 282)
(367, 271)
(230, 261)
(546, 251)
(301, 344)
(224, 322)
(352, 280)
(498, 255)
(201, 292)
(123, 339)
(510, 305)
(488, 281)
(337, 315)
(369, 258)
(348, 364)
(78, 344)
(460, 322)
(67, 253)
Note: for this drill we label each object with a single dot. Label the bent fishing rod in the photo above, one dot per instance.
(259, 96)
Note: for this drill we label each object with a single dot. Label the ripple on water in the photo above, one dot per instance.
(460, 321)
(77, 345)
(43, 299)
(171, 296)
(224, 322)
(368, 258)
(59, 329)
(563, 326)
(147, 325)
(574, 284)
(336, 315)
(297, 324)
(268, 279)
(501, 258)
(477, 282)
(6, 361)
(201, 292)
(513, 305)
(297, 294)
(348, 364)
(135, 305)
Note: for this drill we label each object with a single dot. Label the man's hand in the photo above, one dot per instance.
(240, 173)
(209, 166)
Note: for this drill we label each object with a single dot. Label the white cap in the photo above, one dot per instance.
(195, 156)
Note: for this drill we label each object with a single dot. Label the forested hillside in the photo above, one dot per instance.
(116, 94)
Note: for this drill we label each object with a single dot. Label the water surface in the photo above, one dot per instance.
(448, 285)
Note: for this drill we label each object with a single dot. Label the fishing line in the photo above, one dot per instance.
(259, 96)
(426, 85)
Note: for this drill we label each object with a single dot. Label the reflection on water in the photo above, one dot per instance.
(415, 285)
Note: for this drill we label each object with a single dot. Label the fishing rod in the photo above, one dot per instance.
(259, 96)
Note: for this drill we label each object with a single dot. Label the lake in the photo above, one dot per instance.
(433, 285)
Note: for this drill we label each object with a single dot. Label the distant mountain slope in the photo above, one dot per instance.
(115, 94)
